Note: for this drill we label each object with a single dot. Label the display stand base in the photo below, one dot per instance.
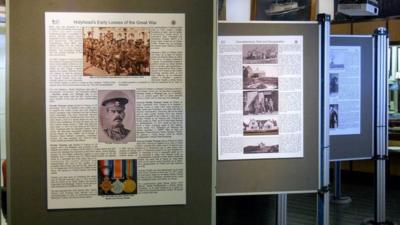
(372, 222)
(341, 200)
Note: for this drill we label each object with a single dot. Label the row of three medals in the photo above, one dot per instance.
(119, 168)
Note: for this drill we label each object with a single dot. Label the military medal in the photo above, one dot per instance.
(117, 186)
(106, 185)
(129, 186)
(105, 168)
(129, 183)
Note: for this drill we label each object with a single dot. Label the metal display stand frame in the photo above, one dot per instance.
(323, 193)
(381, 135)
(323, 135)
(281, 209)
(337, 197)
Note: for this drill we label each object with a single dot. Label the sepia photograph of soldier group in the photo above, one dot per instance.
(116, 51)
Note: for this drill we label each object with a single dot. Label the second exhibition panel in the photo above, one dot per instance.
(268, 86)
(351, 97)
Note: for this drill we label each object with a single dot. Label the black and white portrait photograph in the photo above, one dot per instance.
(116, 51)
(260, 54)
(260, 102)
(333, 83)
(261, 145)
(117, 122)
(333, 116)
(260, 126)
(254, 78)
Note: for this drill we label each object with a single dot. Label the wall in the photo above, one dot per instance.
(368, 27)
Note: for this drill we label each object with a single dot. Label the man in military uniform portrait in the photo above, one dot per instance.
(114, 108)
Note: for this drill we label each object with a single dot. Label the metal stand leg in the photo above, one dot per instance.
(337, 197)
(380, 195)
(281, 212)
(323, 194)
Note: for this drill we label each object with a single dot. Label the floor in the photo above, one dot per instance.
(260, 210)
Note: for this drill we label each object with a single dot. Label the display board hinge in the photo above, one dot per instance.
(324, 190)
(380, 157)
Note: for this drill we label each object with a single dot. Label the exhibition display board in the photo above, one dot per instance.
(114, 112)
(351, 97)
(125, 75)
(268, 108)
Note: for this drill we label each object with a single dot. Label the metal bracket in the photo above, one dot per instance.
(380, 157)
(321, 18)
(324, 190)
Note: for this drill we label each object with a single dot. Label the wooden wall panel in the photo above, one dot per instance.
(394, 30)
(341, 28)
(368, 27)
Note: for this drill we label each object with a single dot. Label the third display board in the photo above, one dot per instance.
(351, 94)
(268, 108)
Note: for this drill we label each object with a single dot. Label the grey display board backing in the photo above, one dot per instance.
(358, 146)
(27, 125)
(242, 177)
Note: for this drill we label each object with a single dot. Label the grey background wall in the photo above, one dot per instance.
(26, 111)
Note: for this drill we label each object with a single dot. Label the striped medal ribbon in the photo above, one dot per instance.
(129, 183)
(118, 172)
(105, 167)
(129, 169)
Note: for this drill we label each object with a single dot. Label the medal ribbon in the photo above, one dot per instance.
(105, 167)
(118, 169)
(129, 169)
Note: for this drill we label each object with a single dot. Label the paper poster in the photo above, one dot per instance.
(345, 90)
(115, 109)
(260, 97)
